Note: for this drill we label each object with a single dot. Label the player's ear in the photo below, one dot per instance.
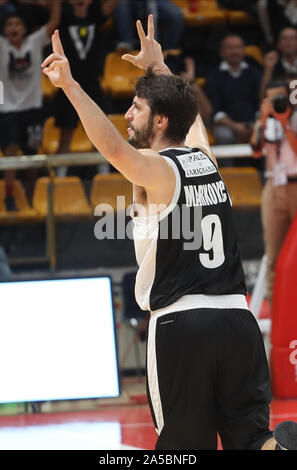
(162, 121)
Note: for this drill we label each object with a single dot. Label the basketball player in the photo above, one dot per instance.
(206, 364)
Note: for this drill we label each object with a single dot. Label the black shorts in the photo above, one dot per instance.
(207, 374)
(22, 128)
(65, 114)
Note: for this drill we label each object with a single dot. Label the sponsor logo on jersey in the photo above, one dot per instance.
(205, 194)
(196, 164)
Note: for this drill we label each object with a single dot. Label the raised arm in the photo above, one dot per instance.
(143, 169)
(151, 55)
(55, 15)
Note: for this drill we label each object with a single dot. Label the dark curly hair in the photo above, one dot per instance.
(171, 96)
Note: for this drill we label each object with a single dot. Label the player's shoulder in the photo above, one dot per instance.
(207, 151)
(146, 151)
(158, 164)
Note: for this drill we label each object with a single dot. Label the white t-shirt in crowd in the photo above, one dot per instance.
(20, 72)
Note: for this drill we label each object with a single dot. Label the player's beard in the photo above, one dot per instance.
(142, 137)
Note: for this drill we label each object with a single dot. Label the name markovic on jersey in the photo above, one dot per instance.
(205, 194)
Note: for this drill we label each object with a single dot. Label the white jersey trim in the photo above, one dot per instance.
(188, 302)
(177, 191)
(145, 234)
(186, 149)
(162, 214)
(152, 375)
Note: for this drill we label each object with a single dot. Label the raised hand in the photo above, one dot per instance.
(270, 59)
(56, 65)
(151, 51)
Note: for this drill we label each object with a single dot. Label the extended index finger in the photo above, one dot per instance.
(57, 45)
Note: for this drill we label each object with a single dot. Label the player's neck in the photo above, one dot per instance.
(159, 144)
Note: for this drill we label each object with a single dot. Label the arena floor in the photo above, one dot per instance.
(115, 424)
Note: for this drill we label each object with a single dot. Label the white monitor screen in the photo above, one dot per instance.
(57, 340)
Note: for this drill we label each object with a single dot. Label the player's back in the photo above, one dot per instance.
(191, 247)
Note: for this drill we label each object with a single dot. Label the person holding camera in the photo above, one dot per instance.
(275, 132)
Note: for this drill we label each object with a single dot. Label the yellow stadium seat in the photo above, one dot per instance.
(48, 89)
(255, 53)
(120, 123)
(105, 189)
(119, 76)
(201, 81)
(208, 12)
(171, 52)
(25, 211)
(80, 141)
(244, 185)
(69, 198)
(239, 17)
(51, 136)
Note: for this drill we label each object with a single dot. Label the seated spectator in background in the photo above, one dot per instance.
(281, 62)
(21, 113)
(80, 32)
(276, 133)
(168, 19)
(233, 91)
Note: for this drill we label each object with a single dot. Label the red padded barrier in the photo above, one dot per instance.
(284, 319)
(283, 372)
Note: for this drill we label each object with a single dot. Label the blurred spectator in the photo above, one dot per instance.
(289, 10)
(283, 62)
(20, 73)
(276, 133)
(186, 68)
(278, 14)
(233, 90)
(33, 12)
(272, 15)
(82, 39)
(266, 13)
(168, 20)
(6, 8)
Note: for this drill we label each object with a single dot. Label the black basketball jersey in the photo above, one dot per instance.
(191, 247)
